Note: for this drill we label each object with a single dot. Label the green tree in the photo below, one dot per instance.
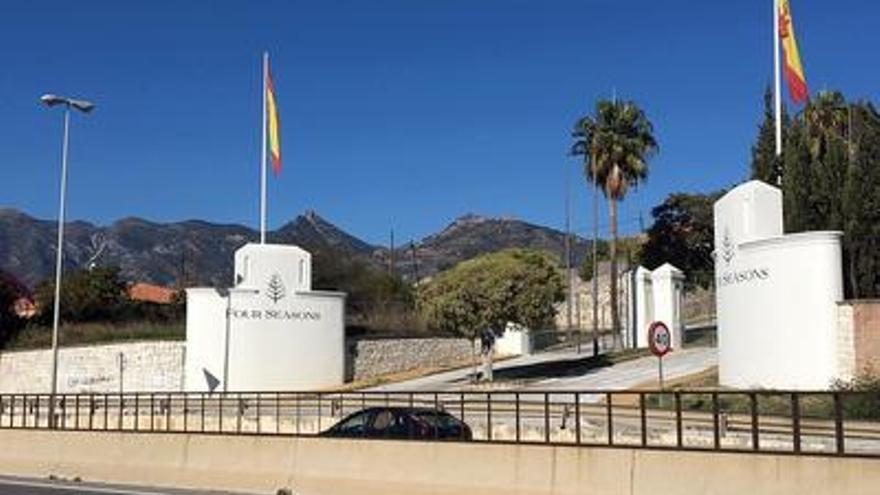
(832, 182)
(616, 143)
(86, 295)
(479, 297)
(767, 166)
(683, 234)
(10, 323)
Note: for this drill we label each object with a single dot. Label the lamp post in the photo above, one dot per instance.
(84, 106)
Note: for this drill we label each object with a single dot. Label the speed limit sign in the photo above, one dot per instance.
(660, 342)
(659, 338)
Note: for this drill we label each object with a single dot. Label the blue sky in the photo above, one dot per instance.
(393, 113)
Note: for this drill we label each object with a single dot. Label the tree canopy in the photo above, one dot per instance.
(683, 234)
(485, 293)
(831, 181)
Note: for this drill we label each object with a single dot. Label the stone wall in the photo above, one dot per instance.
(858, 329)
(368, 358)
(159, 366)
(144, 366)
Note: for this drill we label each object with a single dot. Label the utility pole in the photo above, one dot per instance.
(595, 284)
(570, 281)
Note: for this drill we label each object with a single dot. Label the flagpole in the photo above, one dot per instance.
(263, 152)
(777, 79)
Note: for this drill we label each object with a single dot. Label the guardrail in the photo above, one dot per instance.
(835, 423)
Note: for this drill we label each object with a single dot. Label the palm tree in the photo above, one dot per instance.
(616, 143)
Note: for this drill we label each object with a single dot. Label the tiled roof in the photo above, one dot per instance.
(142, 291)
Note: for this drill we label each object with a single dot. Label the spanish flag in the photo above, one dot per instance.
(794, 71)
(272, 117)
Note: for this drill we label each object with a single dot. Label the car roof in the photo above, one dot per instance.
(404, 409)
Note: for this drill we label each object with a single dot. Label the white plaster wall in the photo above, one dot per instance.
(668, 288)
(776, 296)
(281, 335)
(205, 336)
(515, 341)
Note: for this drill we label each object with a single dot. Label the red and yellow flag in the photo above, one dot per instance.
(794, 71)
(272, 116)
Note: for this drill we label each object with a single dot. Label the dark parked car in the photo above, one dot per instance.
(401, 423)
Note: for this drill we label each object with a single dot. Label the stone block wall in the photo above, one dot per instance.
(129, 367)
(158, 366)
(858, 330)
(368, 358)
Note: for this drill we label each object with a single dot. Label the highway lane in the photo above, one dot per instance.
(11, 485)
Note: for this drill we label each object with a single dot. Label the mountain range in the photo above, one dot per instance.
(200, 253)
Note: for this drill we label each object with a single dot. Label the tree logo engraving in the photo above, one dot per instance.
(728, 249)
(275, 289)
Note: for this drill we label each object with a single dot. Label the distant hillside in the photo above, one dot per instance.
(200, 253)
(472, 235)
(197, 252)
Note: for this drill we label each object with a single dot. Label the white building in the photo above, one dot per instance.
(270, 331)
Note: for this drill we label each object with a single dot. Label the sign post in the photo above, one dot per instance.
(660, 342)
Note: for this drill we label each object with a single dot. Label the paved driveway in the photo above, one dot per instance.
(546, 371)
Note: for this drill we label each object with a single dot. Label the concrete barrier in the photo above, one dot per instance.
(307, 466)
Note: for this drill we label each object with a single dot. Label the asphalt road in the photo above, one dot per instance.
(10, 485)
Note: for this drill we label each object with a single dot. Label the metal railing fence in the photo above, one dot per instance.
(834, 423)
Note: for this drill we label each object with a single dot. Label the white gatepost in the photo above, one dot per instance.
(668, 282)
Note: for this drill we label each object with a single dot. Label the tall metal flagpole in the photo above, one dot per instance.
(777, 79)
(263, 152)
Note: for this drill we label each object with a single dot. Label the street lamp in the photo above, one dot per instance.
(84, 106)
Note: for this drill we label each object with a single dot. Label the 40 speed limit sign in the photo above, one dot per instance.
(660, 342)
(659, 338)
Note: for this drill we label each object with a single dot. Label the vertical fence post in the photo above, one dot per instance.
(838, 424)
(168, 413)
(202, 410)
(185, 412)
(152, 412)
(259, 411)
(489, 416)
(517, 417)
(577, 417)
(461, 406)
(753, 406)
(795, 422)
(92, 407)
(546, 417)
(120, 413)
(76, 413)
(643, 419)
(297, 399)
(319, 409)
(220, 412)
(716, 422)
(239, 411)
(679, 433)
(277, 413)
(609, 418)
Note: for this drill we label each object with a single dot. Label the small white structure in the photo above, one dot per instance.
(652, 296)
(776, 295)
(515, 341)
(270, 331)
